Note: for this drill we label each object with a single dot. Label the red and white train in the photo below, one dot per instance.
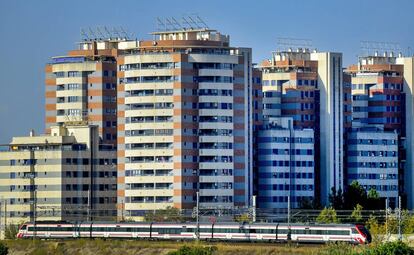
(356, 234)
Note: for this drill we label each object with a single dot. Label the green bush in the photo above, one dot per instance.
(390, 248)
(11, 231)
(327, 215)
(194, 250)
(337, 248)
(4, 250)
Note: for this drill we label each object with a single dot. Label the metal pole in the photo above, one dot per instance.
(5, 214)
(89, 204)
(289, 209)
(399, 218)
(254, 209)
(34, 214)
(386, 216)
(122, 210)
(197, 216)
(291, 160)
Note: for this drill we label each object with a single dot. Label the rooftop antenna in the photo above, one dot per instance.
(285, 43)
(185, 21)
(176, 23)
(109, 33)
(117, 32)
(99, 32)
(200, 21)
(84, 35)
(371, 47)
(194, 22)
(92, 34)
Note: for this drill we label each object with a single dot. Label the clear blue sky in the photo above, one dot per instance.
(33, 31)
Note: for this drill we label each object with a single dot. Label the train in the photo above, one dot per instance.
(255, 232)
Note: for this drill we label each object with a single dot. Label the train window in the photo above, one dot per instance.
(228, 230)
(84, 229)
(142, 230)
(354, 231)
(338, 232)
(298, 231)
(282, 231)
(316, 232)
(99, 229)
(264, 231)
(168, 230)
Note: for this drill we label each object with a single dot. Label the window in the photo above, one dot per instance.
(73, 74)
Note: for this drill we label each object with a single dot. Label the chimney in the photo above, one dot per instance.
(32, 133)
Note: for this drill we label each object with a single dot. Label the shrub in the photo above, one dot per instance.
(194, 250)
(327, 215)
(4, 250)
(390, 248)
(11, 231)
(337, 248)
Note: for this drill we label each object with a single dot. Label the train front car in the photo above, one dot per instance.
(361, 235)
(22, 233)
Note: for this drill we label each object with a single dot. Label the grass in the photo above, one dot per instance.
(141, 247)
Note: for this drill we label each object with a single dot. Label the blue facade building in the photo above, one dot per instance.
(286, 164)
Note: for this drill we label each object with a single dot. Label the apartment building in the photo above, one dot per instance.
(81, 86)
(184, 123)
(65, 175)
(286, 164)
(382, 95)
(373, 160)
(308, 87)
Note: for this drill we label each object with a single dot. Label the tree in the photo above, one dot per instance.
(354, 194)
(4, 250)
(308, 203)
(327, 215)
(377, 230)
(11, 231)
(373, 200)
(356, 215)
(336, 198)
(170, 214)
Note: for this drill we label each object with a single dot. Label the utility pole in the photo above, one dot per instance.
(5, 214)
(386, 217)
(290, 167)
(399, 218)
(122, 210)
(288, 218)
(254, 209)
(198, 215)
(89, 204)
(34, 214)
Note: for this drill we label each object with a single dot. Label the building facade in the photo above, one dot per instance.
(184, 123)
(82, 86)
(308, 87)
(286, 164)
(65, 175)
(382, 96)
(373, 160)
